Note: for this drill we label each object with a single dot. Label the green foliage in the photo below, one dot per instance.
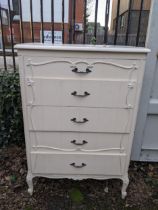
(152, 181)
(93, 40)
(13, 178)
(76, 195)
(11, 122)
(28, 208)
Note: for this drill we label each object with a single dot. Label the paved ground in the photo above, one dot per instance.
(67, 194)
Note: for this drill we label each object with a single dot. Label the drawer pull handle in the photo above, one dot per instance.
(79, 144)
(79, 95)
(81, 72)
(78, 121)
(78, 166)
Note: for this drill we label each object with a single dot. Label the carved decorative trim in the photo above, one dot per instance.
(131, 85)
(78, 177)
(47, 62)
(30, 63)
(132, 68)
(115, 64)
(77, 149)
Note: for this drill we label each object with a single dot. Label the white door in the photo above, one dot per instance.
(145, 146)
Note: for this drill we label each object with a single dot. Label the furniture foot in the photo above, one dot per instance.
(124, 186)
(30, 183)
(106, 189)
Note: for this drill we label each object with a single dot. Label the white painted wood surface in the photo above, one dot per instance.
(49, 118)
(64, 141)
(80, 47)
(61, 67)
(60, 163)
(114, 82)
(89, 93)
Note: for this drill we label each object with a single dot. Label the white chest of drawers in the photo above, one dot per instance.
(80, 105)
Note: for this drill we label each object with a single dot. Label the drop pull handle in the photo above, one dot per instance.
(78, 166)
(80, 95)
(79, 121)
(75, 70)
(79, 144)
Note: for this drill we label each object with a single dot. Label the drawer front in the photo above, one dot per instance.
(74, 141)
(46, 118)
(88, 93)
(80, 68)
(92, 164)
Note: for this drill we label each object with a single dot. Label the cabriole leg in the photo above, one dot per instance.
(30, 183)
(125, 180)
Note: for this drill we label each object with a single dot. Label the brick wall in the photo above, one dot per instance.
(79, 11)
(37, 28)
(122, 26)
(47, 26)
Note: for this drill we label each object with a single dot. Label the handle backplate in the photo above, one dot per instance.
(79, 144)
(80, 95)
(75, 70)
(84, 120)
(78, 166)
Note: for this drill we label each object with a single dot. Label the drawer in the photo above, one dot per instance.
(86, 93)
(80, 68)
(75, 141)
(92, 164)
(46, 118)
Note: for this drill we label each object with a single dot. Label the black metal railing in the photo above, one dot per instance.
(122, 30)
(3, 42)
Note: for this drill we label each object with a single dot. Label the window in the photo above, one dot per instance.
(15, 7)
(4, 17)
(122, 21)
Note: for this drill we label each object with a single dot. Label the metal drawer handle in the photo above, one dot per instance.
(78, 166)
(79, 95)
(79, 144)
(78, 121)
(81, 72)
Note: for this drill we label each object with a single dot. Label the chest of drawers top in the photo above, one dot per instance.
(82, 51)
(81, 48)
